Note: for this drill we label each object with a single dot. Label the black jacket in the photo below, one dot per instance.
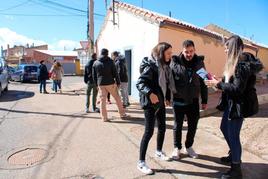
(88, 78)
(43, 73)
(148, 83)
(240, 87)
(121, 68)
(188, 83)
(104, 72)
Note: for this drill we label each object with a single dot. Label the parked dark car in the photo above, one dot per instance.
(25, 72)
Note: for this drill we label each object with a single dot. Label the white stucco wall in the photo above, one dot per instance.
(131, 33)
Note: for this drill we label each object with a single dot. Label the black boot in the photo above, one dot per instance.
(227, 159)
(234, 173)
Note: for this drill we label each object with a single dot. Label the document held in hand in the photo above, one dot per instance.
(204, 74)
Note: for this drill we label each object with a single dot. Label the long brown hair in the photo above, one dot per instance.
(158, 51)
(235, 48)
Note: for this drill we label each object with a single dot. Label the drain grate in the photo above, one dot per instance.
(28, 156)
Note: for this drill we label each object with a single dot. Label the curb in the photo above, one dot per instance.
(263, 99)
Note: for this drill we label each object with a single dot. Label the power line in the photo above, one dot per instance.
(67, 15)
(62, 15)
(50, 7)
(48, 4)
(15, 6)
(62, 5)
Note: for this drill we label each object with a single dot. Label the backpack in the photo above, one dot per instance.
(250, 103)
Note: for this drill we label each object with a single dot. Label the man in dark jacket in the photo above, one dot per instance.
(106, 77)
(186, 100)
(43, 76)
(120, 64)
(91, 86)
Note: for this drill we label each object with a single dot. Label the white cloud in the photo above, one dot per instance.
(12, 38)
(64, 45)
(9, 17)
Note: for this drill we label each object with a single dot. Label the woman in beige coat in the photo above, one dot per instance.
(56, 75)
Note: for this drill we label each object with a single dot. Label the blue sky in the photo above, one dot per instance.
(20, 21)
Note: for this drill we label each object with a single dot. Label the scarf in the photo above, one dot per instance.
(165, 78)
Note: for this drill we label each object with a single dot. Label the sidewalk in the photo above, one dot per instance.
(209, 143)
(81, 146)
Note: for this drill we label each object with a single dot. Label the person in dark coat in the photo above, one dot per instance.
(43, 76)
(121, 67)
(155, 85)
(186, 99)
(105, 76)
(237, 85)
(91, 86)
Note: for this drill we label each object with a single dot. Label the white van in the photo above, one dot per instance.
(3, 76)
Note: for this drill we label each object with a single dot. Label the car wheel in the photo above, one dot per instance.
(22, 79)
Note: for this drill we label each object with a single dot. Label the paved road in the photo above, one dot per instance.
(73, 144)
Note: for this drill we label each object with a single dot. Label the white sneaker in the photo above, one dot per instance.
(144, 168)
(162, 156)
(190, 151)
(176, 154)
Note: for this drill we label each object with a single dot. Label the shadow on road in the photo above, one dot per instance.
(84, 116)
(250, 170)
(14, 95)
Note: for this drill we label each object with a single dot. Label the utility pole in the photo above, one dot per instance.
(114, 12)
(90, 34)
(106, 5)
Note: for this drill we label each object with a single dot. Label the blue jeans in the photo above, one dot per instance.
(56, 84)
(43, 85)
(231, 131)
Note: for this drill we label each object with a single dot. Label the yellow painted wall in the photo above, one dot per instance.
(263, 55)
(212, 49)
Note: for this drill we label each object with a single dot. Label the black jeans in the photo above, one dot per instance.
(192, 113)
(150, 115)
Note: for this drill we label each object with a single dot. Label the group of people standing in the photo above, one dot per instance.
(56, 74)
(105, 76)
(173, 80)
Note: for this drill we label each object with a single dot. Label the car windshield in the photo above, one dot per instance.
(30, 69)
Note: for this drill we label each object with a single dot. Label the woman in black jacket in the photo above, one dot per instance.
(154, 85)
(237, 85)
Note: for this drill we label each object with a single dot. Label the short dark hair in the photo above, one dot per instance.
(115, 53)
(42, 61)
(94, 56)
(104, 52)
(188, 43)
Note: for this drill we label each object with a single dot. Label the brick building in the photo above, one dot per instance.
(21, 54)
(66, 58)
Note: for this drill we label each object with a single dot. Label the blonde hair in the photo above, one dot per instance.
(235, 48)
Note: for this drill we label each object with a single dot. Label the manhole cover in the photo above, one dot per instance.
(28, 156)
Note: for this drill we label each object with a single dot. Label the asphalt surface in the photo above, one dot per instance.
(79, 145)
